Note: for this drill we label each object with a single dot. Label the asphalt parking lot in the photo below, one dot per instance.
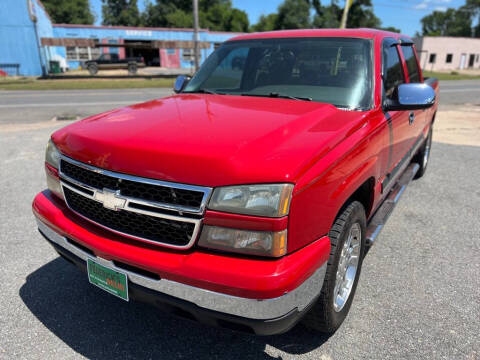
(418, 296)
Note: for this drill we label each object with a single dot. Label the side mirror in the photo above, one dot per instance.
(412, 96)
(180, 82)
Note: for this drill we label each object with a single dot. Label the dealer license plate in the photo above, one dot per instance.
(112, 281)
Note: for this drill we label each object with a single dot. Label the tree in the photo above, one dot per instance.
(265, 23)
(361, 15)
(120, 12)
(237, 21)
(447, 23)
(473, 6)
(69, 12)
(327, 16)
(213, 14)
(293, 14)
(390, 28)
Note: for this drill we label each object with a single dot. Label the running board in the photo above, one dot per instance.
(381, 216)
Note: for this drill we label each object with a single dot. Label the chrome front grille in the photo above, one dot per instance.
(150, 210)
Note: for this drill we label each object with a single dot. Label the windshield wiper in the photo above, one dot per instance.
(277, 95)
(204, 91)
(349, 108)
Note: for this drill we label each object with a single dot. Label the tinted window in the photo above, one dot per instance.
(337, 71)
(228, 72)
(393, 72)
(412, 66)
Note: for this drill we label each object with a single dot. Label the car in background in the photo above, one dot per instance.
(113, 62)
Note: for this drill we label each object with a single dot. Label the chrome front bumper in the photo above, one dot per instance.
(261, 309)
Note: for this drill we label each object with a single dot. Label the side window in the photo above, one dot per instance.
(393, 72)
(411, 61)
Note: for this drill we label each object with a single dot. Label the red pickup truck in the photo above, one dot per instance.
(248, 199)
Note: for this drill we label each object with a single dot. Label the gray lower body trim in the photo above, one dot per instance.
(262, 309)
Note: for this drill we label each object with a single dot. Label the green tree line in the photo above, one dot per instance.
(220, 15)
(454, 22)
(217, 15)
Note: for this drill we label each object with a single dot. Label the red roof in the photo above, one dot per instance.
(358, 33)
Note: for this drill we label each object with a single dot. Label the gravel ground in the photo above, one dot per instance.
(418, 296)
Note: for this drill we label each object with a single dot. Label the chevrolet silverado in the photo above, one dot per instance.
(246, 200)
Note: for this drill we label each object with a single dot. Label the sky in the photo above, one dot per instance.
(402, 14)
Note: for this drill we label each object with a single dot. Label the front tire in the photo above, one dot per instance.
(347, 237)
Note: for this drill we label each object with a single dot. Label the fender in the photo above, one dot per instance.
(329, 183)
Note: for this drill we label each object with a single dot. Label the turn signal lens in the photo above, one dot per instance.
(263, 243)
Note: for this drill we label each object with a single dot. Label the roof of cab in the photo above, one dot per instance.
(358, 33)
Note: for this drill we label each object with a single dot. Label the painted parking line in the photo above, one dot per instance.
(130, 102)
(459, 90)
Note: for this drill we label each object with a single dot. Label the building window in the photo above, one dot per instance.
(477, 58)
(77, 53)
(187, 55)
(82, 53)
(72, 53)
(432, 58)
(170, 51)
(95, 53)
(449, 58)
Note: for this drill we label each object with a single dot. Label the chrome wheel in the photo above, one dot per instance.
(347, 267)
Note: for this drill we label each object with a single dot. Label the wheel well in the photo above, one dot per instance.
(364, 195)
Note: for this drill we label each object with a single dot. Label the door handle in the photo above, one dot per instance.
(411, 118)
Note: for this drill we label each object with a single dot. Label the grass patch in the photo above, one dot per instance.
(453, 75)
(79, 84)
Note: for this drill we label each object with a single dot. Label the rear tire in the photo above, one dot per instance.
(423, 155)
(92, 69)
(335, 300)
(132, 68)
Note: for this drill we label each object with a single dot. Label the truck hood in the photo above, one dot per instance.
(210, 140)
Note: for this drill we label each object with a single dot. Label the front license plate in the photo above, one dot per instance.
(110, 280)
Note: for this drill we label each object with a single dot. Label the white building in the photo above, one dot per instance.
(448, 53)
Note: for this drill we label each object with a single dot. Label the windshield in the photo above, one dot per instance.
(329, 70)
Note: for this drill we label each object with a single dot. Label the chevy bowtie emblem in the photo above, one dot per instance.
(110, 199)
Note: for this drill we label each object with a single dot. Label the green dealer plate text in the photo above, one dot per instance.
(114, 282)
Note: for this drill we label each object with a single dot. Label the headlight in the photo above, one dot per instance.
(52, 155)
(263, 243)
(269, 200)
(52, 163)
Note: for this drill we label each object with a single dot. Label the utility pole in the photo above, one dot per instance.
(195, 34)
(343, 24)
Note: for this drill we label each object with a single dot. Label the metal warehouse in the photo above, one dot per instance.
(30, 42)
